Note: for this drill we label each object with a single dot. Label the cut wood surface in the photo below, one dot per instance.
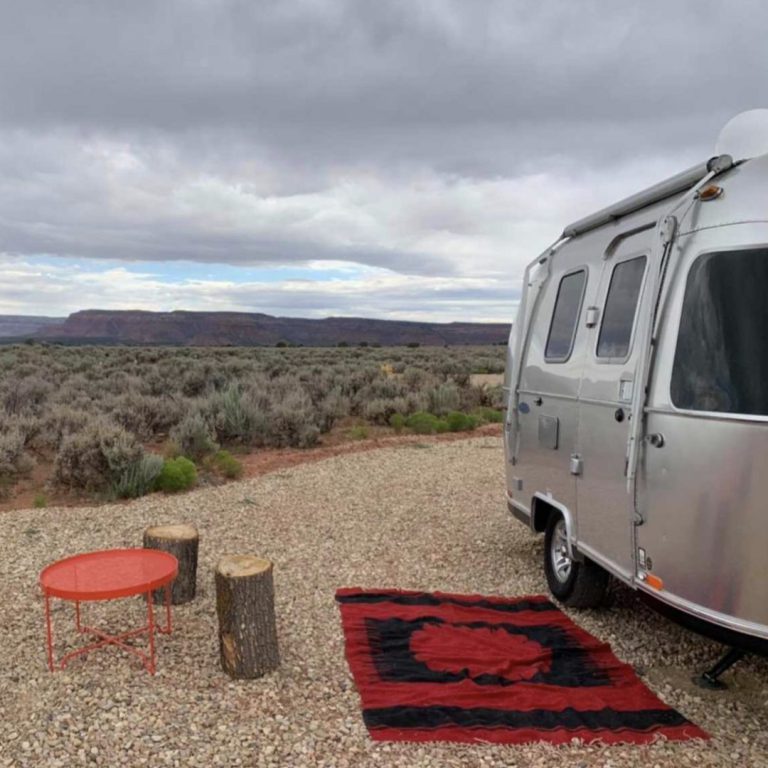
(245, 604)
(182, 542)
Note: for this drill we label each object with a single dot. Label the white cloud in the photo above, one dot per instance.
(58, 290)
(429, 148)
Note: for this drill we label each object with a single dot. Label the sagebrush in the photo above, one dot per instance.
(100, 413)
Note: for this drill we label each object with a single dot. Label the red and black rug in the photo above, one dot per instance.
(441, 667)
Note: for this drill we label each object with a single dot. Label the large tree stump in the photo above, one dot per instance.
(182, 542)
(245, 603)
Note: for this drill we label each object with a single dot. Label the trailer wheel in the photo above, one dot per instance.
(575, 584)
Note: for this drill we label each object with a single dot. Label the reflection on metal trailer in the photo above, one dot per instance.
(636, 435)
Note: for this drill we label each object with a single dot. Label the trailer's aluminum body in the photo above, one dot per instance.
(694, 514)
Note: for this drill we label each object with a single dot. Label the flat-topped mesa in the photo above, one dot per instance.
(182, 328)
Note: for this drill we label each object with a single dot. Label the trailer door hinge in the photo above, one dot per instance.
(668, 230)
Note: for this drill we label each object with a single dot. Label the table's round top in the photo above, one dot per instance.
(109, 574)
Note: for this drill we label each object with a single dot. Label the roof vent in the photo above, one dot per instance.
(745, 135)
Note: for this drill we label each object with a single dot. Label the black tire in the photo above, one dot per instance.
(575, 584)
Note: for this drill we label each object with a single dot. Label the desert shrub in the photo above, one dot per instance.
(236, 418)
(40, 501)
(146, 416)
(194, 437)
(254, 396)
(194, 382)
(26, 425)
(359, 432)
(26, 395)
(331, 408)
(138, 478)
(460, 422)
(488, 364)
(423, 423)
(444, 398)
(96, 457)
(60, 421)
(416, 401)
(472, 397)
(397, 422)
(292, 422)
(226, 464)
(378, 411)
(489, 415)
(13, 460)
(417, 378)
(494, 397)
(177, 474)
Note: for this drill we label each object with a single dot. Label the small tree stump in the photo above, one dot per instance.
(182, 542)
(245, 603)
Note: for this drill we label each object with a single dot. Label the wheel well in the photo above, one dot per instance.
(541, 511)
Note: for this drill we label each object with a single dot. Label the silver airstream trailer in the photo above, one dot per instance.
(636, 436)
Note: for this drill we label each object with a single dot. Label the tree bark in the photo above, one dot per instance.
(245, 603)
(182, 542)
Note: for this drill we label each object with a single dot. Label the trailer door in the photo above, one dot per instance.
(605, 512)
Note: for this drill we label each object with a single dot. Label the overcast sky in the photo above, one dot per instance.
(387, 158)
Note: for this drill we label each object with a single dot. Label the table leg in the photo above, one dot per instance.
(49, 632)
(151, 627)
(168, 628)
(77, 616)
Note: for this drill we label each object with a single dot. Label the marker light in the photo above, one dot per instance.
(711, 192)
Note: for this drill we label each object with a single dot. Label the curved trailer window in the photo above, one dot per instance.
(721, 360)
(620, 309)
(562, 331)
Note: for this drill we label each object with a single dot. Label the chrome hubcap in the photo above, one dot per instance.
(558, 553)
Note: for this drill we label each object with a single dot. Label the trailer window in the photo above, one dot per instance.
(562, 331)
(620, 309)
(721, 360)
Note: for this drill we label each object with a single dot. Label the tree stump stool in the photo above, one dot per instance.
(182, 542)
(245, 603)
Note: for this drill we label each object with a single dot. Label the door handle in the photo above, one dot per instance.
(619, 415)
(656, 439)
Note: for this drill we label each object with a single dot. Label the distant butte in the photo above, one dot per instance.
(242, 329)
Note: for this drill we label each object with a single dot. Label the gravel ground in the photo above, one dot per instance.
(429, 517)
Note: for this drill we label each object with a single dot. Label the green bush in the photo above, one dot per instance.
(177, 474)
(489, 415)
(138, 478)
(397, 422)
(359, 432)
(226, 464)
(423, 423)
(460, 422)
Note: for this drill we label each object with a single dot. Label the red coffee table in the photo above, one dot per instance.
(109, 575)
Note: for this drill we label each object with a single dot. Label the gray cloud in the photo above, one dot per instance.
(429, 137)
